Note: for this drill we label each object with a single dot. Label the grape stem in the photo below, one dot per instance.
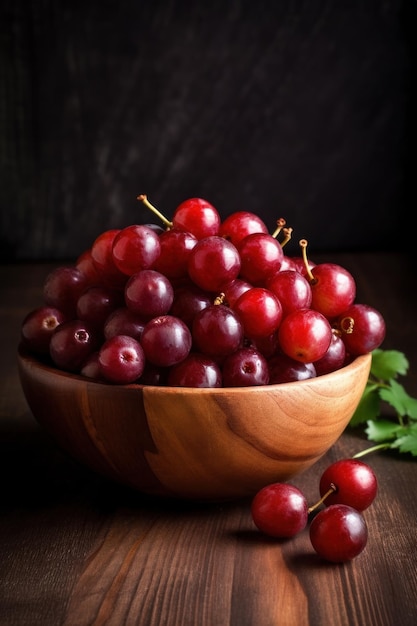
(280, 225)
(288, 234)
(332, 489)
(380, 446)
(303, 245)
(144, 198)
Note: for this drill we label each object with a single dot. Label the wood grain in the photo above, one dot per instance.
(77, 549)
(301, 111)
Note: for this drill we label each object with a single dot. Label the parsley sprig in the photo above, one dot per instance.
(396, 431)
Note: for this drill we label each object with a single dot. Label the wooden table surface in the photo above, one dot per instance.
(77, 550)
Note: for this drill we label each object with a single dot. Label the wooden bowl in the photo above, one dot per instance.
(202, 444)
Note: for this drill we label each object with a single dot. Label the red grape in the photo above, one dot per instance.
(305, 335)
(338, 533)
(245, 367)
(121, 359)
(283, 369)
(38, 326)
(217, 331)
(135, 248)
(166, 340)
(198, 217)
(213, 262)
(279, 510)
(149, 294)
(355, 482)
(176, 246)
(238, 225)
(260, 256)
(363, 329)
(333, 289)
(292, 289)
(71, 343)
(62, 288)
(260, 312)
(196, 370)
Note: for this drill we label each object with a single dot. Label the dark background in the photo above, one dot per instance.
(299, 110)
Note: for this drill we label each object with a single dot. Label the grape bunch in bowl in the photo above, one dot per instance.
(194, 358)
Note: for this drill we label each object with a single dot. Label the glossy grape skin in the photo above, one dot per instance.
(260, 312)
(122, 321)
(355, 482)
(233, 290)
(362, 329)
(196, 370)
(149, 293)
(213, 262)
(188, 301)
(238, 225)
(338, 533)
(279, 510)
(283, 369)
(38, 326)
(62, 288)
(102, 257)
(217, 331)
(333, 289)
(166, 340)
(135, 248)
(198, 217)
(292, 290)
(96, 303)
(334, 358)
(261, 257)
(71, 343)
(121, 359)
(176, 246)
(305, 335)
(246, 367)
(85, 264)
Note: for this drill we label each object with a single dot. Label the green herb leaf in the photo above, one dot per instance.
(387, 364)
(382, 430)
(399, 399)
(400, 431)
(408, 443)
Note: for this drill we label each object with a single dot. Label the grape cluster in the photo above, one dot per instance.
(200, 302)
(337, 532)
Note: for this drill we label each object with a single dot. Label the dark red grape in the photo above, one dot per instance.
(217, 331)
(135, 248)
(280, 510)
(198, 217)
(238, 225)
(149, 294)
(62, 288)
(196, 370)
(38, 326)
(283, 369)
(305, 335)
(355, 482)
(246, 367)
(166, 340)
(213, 262)
(71, 343)
(362, 329)
(121, 359)
(338, 533)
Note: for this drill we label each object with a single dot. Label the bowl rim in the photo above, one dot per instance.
(25, 357)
